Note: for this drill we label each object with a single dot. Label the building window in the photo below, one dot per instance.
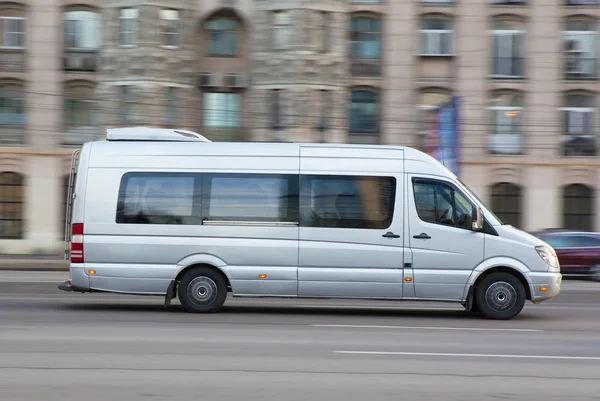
(170, 28)
(321, 32)
(579, 122)
(128, 27)
(507, 203)
(282, 30)
(365, 46)
(170, 106)
(579, 47)
(365, 38)
(221, 109)
(324, 109)
(12, 30)
(82, 30)
(582, 2)
(250, 197)
(428, 108)
(437, 203)
(364, 112)
(508, 41)
(223, 36)
(12, 105)
(159, 198)
(578, 209)
(79, 106)
(12, 196)
(436, 37)
(128, 99)
(359, 202)
(506, 109)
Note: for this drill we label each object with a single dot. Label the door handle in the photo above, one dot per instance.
(390, 234)
(422, 236)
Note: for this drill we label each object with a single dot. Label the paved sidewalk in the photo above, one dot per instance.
(33, 263)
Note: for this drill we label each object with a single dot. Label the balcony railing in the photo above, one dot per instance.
(81, 60)
(12, 134)
(508, 144)
(579, 145)
(508, 67)
(576, 68)
(12, 60)
(368, 68)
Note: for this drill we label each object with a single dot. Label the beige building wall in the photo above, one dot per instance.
(404, 78)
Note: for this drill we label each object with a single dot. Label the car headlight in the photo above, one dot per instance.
(548, 255)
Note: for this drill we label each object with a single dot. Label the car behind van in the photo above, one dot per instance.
(168, 213)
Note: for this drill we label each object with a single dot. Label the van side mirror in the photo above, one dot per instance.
(477, 219)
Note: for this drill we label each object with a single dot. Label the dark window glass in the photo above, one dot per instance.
(578, 207)
(159, 198)
(251, 197)
(506, 203)
(12, 192)
(439, 204)
(347, 201)
(586, 242)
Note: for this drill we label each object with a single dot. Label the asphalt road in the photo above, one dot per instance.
(64, 346)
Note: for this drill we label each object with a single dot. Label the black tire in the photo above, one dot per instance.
(202, 290)
(500, 296)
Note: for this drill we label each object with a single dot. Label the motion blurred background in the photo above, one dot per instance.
(503, 92)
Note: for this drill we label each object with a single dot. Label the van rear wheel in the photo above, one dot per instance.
(202, 290)
(500, 296)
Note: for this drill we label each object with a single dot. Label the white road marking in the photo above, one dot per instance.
(418, 327)
(582, 358)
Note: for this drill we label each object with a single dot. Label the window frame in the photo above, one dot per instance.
(377, 102)
(440, 34)
(17, 191)
(235, 33)
(164, 32)
(292, 217)
(305, 201)
(6, 33)
(122, 192)
(358, 39)
(133, 33)
(284, 29)
(430, 181)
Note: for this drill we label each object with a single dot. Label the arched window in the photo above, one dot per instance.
(508, 43)
(364, 112)
(578, 207)
(223, 37)
(11, 205)
(507, 203)
(506, 108)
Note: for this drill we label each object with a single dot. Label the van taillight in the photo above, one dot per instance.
(77, 243)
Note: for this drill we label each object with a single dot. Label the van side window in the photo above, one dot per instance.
(347, 201)
(440, 204)
(159, 198)
(251, 198)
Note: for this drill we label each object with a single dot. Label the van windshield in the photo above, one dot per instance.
(468, 191)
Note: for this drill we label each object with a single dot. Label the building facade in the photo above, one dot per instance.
(525, 74)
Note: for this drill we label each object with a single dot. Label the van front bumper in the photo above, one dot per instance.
(544, 286)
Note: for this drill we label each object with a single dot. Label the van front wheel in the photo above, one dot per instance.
(500, 296)
(202, 290)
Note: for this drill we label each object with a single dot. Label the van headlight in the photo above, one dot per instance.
(548, 255)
